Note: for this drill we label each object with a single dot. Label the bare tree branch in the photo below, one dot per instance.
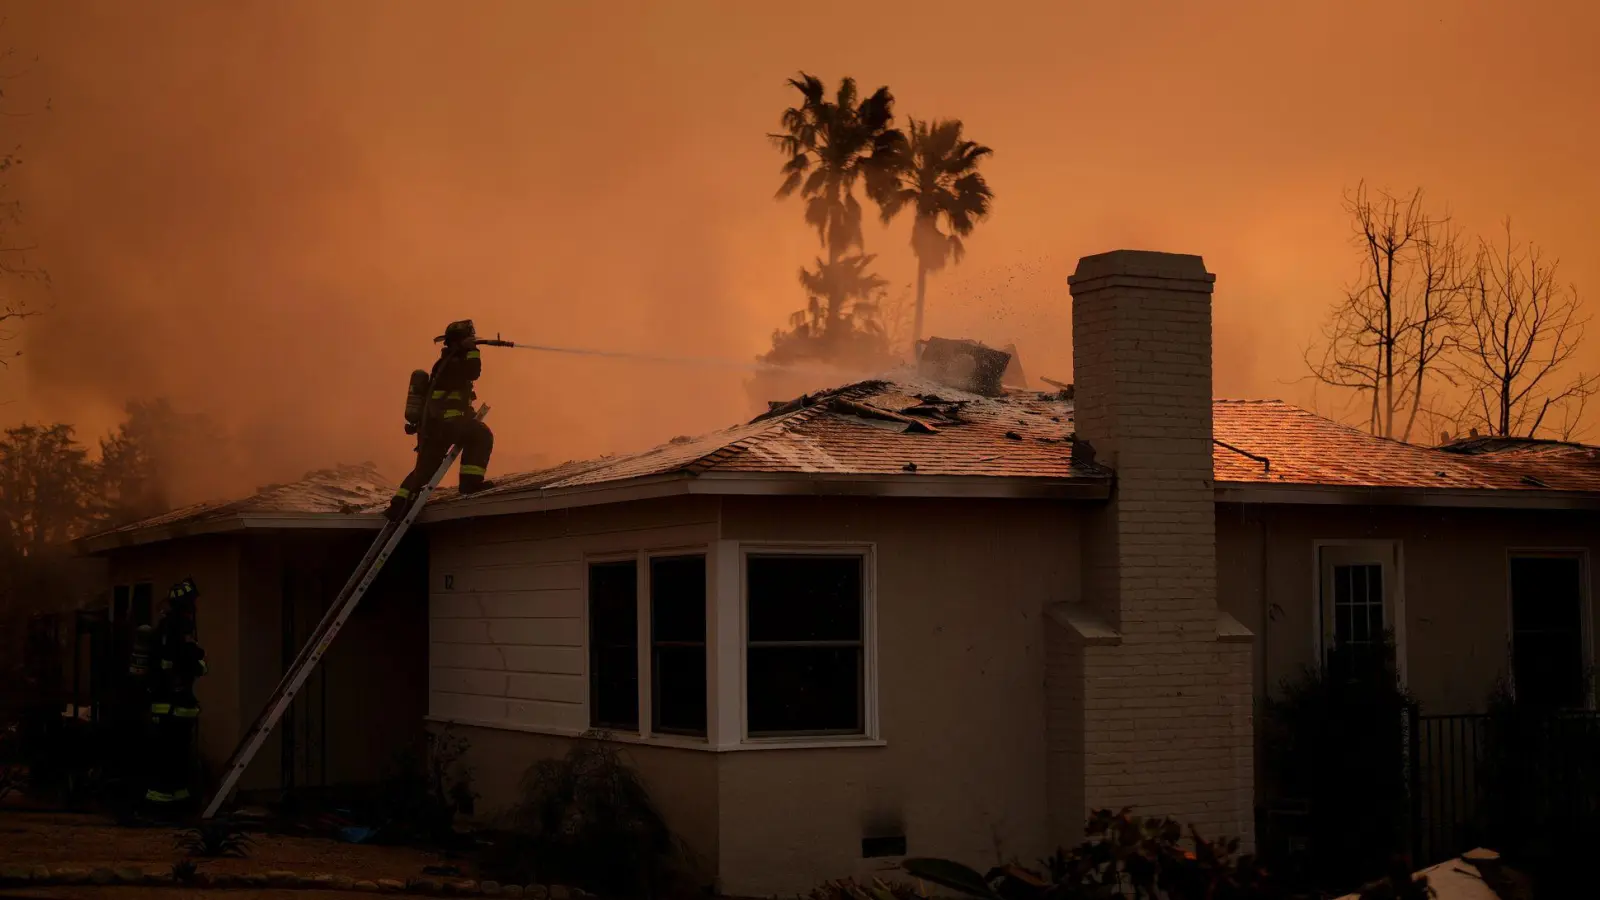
(1523, 330)
(1385, 339)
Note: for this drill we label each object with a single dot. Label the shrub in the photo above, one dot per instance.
(13, 773)
(214, 838)
(184, 871)
(1125, 858)
(587, 820)
(1122, 857)
(1336, 739)
(425, 790)
(1537, 770)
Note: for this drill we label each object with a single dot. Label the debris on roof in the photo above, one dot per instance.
(1013, 377)
(876, 414)
(904, 424)
(872, 428)
(966, 365)
(878, 427)
(784, 407)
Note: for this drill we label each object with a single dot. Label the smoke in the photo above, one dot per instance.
(265, 210)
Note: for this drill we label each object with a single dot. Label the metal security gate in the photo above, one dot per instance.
(1504, 780)
(1447, 758)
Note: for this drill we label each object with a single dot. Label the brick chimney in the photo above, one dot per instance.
(1150, 685)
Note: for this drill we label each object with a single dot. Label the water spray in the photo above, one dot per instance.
(665, 360)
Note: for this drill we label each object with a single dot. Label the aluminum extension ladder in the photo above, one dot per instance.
(332, 621)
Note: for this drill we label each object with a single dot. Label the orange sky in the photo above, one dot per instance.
(266, 211)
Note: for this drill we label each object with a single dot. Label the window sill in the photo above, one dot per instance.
(671, 741)
(613, 737)
(805, 743)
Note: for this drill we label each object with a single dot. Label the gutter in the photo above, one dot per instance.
(823, 484)
(115, 540)
(798, 484)
(1457, 498)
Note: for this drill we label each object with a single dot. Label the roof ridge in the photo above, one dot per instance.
(1351, 429)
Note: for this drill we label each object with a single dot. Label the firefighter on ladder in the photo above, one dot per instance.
(176, 662)
(449, 419)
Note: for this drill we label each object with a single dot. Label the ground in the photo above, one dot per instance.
(88, 841)
(112, 892)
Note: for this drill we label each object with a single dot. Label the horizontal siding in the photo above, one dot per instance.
(514, 604)
(506, 606)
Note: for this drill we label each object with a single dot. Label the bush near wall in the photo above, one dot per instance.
(587, 820)
(1126, 858)
(1335, 739)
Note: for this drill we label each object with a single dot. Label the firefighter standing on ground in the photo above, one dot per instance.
(135, 708)
(449, 419)
(176, 662)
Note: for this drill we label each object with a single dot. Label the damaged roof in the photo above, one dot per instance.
(915, 428)
(869, 428)
(329, 495)
(911, 431)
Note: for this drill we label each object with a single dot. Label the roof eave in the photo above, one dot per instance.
(117, 540)
(773, 485)
(997, 487)
(1325, 495)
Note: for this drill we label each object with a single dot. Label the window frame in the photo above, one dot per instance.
(1389, 554)
(1364, 605)
(1586, 611)
(867, 553)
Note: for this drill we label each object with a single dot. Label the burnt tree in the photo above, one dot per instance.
(1516, 352)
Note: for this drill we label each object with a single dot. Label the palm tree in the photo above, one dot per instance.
(839, 333)
(830, 145)
(936, 174)
(846, 279)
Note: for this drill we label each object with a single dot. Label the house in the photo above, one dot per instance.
(904, 617)
(267, 566)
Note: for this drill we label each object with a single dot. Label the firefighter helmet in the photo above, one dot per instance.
(456, 332)
(183, 595)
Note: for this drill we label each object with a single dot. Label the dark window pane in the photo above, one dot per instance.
(139, 614)
(680, 690)
(1374, 627)
(1549, 669)
(1547, 631)
(678, 599)
(613, 645)
(615, 688)
(804, 598)
(613, 603)
(678, 652)
(1547, 593)
(804, 690)
(119, 604)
